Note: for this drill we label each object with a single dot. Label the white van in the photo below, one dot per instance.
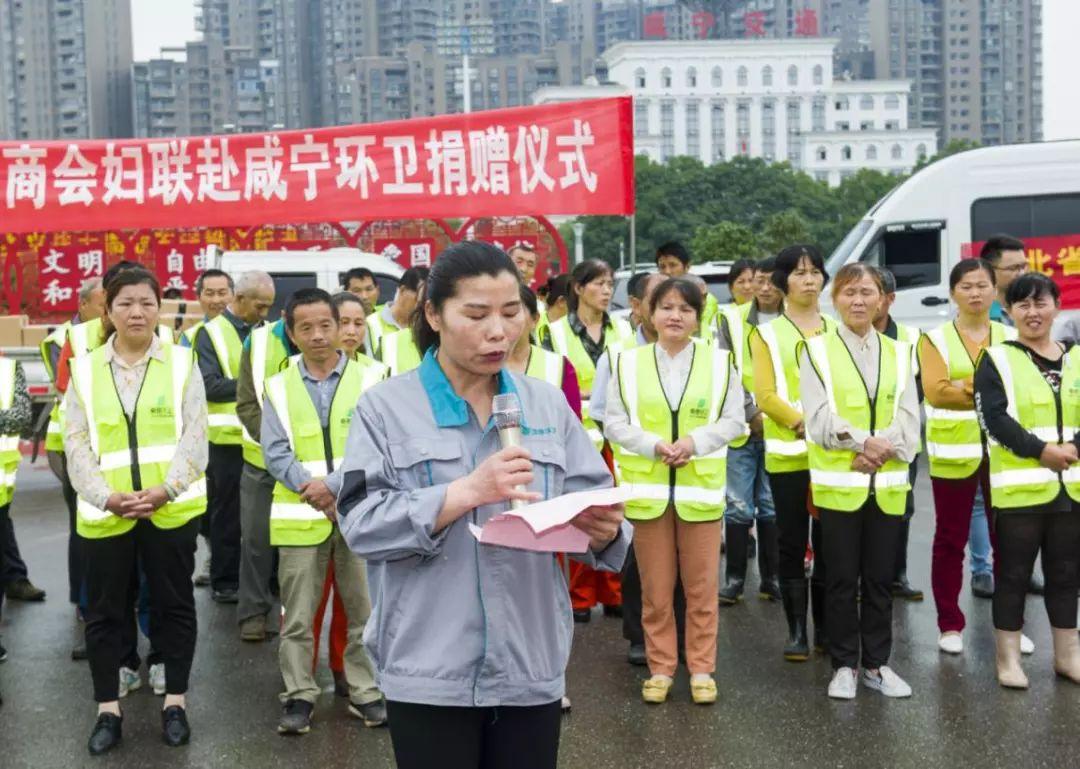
(925, 226)
(292, 270)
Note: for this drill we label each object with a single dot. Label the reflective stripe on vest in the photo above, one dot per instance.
(9, 444)
(158, 422)
(698, 489)
(735, 318)
(835, 486)
(294, 523)
(399, 352)
(953, 438)
(54, 434)
(545, 365)
(225, 429)
(267, 356)
(1014, 481)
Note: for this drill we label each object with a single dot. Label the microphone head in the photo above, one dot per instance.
(506, 411)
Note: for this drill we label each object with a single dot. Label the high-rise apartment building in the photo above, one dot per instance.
(65, 69)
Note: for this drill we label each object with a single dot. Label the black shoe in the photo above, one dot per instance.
(982, 585)
(341, 685)
(581, 616)
(1036, 586)
(106, 735)
(225, 595)
(174, 726)
(373, 714)
(636, 655)
(737, 535)
(203, 580)
(3, 653)
(24, 590)
(769, 589)
(817, 611)
(295, 717)
(794, 594)
(768, 560)
(78, 652)
(901, 588)
(611, 610)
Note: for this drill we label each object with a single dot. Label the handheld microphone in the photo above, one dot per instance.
(506, 411)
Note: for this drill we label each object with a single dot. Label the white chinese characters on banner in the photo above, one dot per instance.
(26, 175)
(420, 255)
(92, 263)
(52, 263)
(54, 295)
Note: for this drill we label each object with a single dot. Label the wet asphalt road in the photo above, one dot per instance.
(770, 713)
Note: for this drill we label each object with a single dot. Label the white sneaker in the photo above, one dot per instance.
(951, 643)
(565, 704)
(1027, 646)
(157, 678)
(886, 682)
(842, 686)
(129, 681)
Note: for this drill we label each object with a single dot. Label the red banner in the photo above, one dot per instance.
(1057, 257)
(571, 158)
(62, 268)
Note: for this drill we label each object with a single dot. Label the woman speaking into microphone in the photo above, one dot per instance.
(470, 641)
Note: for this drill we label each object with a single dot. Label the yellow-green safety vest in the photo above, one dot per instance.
(735, 318)
(1017, 482)
(785, 451)
(377, 329)
(293, 522)
(698, 489)
(9, 444)
(190, 333)
(833, 484)
(953, 438)
(224, 425)
(399, 352)
(54, 433)
(86, 337)
(545, 365)
(709, 314)
(158, 424)
(268, 356)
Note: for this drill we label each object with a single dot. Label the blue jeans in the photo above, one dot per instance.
(979, 539)
(749, 497)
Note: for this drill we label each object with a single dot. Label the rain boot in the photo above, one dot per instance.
(794, 594)
(901, 588)
(768, 560)
(735, 573)
(817, 609)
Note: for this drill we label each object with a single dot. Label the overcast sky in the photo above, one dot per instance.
(161, 23)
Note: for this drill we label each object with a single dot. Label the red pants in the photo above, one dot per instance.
(588, 586)
(953, 500)
(339, 624)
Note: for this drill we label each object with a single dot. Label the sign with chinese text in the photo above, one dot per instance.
(179, 265)
(63, 266)
(408, 252)
(570, 158)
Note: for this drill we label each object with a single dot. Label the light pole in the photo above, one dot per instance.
(579, 242)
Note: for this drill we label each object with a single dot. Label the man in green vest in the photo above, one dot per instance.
(215, 290)
(307, 411)
(398, 314)
(218, 345)
(266, 352)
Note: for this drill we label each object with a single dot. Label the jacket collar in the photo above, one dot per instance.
(450, 409)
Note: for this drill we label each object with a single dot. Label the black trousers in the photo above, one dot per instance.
(5, 512)
(795, 527)
(859, 547)
(1020, 537)
(14, 568)
(631, 603)
(426, 736)
(76, 561)
(223, 506)
(168, 557)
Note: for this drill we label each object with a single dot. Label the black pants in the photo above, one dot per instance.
(168, 556)
(631, 603)
(859, 548)
(223, 506)
(14, 568)
(790, 494)
(76, 561)
(5, 512)
(426, 736)
(1020, 536)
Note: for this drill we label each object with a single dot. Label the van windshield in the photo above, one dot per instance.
(840, 256)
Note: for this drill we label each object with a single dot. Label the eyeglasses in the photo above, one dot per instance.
(1017, 268)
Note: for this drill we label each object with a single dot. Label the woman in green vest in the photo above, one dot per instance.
(1028, 399)
(526, 358)
(862, 432)
(800, 275)
(136, 440)
(955, 445)
(672, 409)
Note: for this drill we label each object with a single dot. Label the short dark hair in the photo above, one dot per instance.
(1032, 285)
(584, 274)
(523, 245)
(413, 278)
(116, 269)
(528, 299)
(768, 264)
(460, 261)
(213, 272)
(635, 287)
(673, 248)
(344, 297)
(558, 288)
(358, 273)
(305, 296)
(788, 260)
(964, 266)
(686, 288)
(737, 269)
(887, 279)
(995, 245)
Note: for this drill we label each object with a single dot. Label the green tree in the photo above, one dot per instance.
(724, 241)
(953, 147)
(783, 229)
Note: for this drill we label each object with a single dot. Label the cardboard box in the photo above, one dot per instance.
(181, 322)
(11, 330)
(33, 336)
(179, 307)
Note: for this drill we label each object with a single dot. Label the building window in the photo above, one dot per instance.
(792, 75)
(897, 152)
(766, 76)
(871, 152)
(866, 125)
(892, 101)
(819, 75)
(843, 125)
(718, 131)
(742, 126)
(641, 118)
(691, 78)
(743, 76)
(822, 154)
(693, 130)
(818, 114)
(717, 77)
(892, 125)
(842, 104)
(665, 78)
(821, 176)
(866, 101)
(768, 130)
(667, 129)
(794, 126)
(845, 152)
(920, 152)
